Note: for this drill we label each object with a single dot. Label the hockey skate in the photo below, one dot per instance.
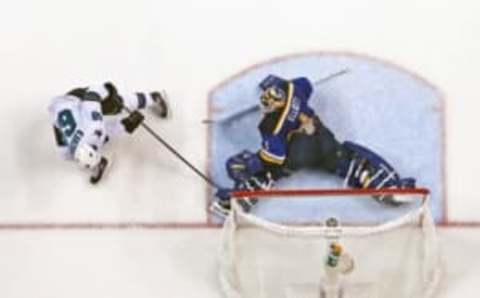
(397, 201)
(99, 171)
(221, 208)
(222, 205)
(161, 105)
(388, 200)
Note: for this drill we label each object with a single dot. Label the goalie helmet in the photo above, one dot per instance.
(87, 157)
(273, 98)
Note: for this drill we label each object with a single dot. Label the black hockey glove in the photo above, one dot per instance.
(113, 103)
(133, 121)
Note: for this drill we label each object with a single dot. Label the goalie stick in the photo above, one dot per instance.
(256, 107)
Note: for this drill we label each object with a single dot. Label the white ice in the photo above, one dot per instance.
(187, 47)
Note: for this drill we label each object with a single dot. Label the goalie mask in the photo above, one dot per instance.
(273, 98)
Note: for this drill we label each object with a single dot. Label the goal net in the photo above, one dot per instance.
(333, 256)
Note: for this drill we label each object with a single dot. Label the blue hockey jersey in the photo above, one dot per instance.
(276, 127)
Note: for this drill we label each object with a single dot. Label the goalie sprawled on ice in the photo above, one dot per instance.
(294, 138)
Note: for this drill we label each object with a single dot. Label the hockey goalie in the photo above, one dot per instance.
(293, 138)
(85, 119)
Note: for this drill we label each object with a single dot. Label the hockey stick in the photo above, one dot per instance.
(173, 150)
(256, 107)
(331, 76)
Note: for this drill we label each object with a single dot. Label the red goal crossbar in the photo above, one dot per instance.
(328, 192)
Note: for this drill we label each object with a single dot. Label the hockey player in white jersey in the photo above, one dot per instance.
(85, 118)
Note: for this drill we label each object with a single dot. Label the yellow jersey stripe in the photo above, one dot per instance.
(279, 125)
(270, 158)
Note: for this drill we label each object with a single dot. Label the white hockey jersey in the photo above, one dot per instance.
(78, 122)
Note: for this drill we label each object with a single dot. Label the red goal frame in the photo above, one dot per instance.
(330, 192)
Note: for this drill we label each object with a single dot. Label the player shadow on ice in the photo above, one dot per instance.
(37, 163)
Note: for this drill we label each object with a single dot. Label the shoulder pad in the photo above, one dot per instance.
(303, 86)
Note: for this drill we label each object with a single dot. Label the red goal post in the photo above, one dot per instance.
(424, 192)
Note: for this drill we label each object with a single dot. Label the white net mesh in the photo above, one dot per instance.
(397, 258)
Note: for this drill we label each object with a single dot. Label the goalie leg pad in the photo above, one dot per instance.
(262, 180)
(363, 168)
(243, 166)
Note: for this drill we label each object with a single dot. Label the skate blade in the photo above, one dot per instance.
(218, 210)
(106, 172)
